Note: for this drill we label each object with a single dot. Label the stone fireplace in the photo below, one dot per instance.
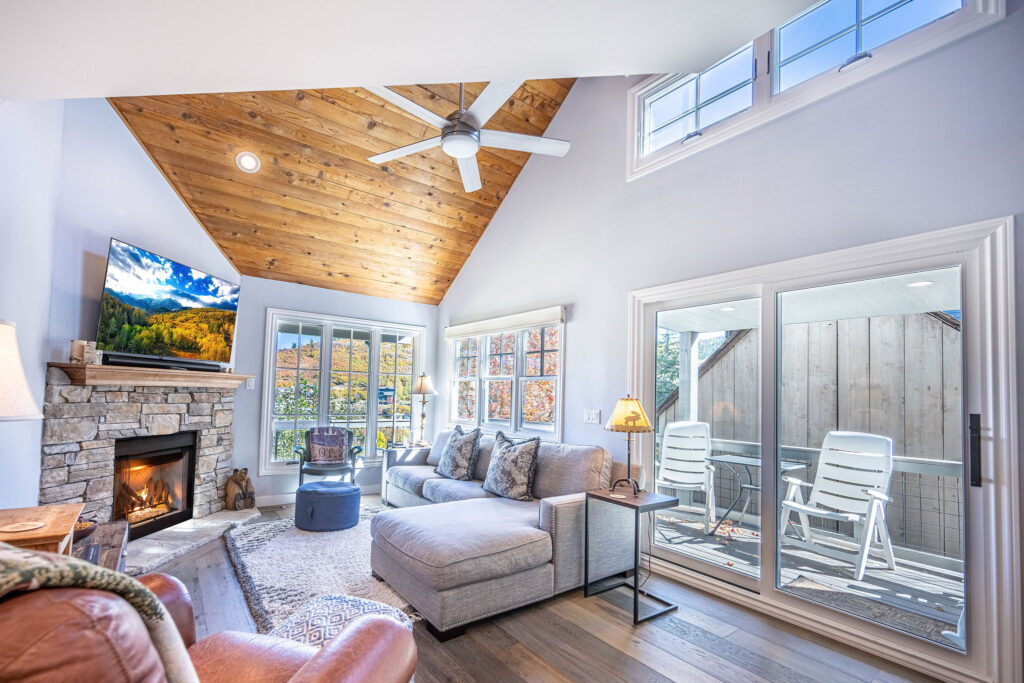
(92, 451)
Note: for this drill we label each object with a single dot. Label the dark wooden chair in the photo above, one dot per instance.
(337, 454)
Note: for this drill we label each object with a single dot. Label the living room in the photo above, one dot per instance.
(598, 281)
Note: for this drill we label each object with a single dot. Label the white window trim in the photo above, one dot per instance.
(768, 105)
(275, 315)
(545, 317)
(994, 586)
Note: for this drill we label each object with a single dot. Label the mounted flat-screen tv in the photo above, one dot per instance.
(155, 307)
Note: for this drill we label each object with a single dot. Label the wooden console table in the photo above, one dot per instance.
(112, 537)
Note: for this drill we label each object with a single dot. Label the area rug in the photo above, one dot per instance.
(905, 620)
(282, 569)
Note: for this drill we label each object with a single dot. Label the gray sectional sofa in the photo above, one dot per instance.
(459, 554)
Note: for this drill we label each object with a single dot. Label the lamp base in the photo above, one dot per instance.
(629, 482)
(421, 443)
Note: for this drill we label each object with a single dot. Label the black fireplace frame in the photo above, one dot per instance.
(156, 448)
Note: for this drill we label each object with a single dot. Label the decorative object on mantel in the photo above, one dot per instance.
(50, 528)
(123, 375)
(629, 417)
(16, 400)
(239, 493)
(85, 352)
(424, 387)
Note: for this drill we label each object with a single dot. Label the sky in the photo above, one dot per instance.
(143, 274)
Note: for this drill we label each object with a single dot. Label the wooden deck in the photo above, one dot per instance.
(918, 598)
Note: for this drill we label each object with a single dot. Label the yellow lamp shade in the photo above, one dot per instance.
(16, 401)
(423, 386)
(628, 416)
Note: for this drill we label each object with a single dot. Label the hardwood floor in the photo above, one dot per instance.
(572, 638)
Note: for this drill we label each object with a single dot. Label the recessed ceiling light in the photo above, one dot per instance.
(921, 283)
(726, 309)
(248, 162)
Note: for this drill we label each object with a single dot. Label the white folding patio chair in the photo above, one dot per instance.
(851, 485)
(684, 465)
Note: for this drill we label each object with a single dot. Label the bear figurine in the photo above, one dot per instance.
(239, 493)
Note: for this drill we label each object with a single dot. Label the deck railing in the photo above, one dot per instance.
(925, 515)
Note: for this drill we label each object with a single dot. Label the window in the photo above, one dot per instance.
(836, 31)
(311, 388)
(687, 104)
(508, 379)
(830, 46)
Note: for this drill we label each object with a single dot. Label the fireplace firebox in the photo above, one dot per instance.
(154, 478)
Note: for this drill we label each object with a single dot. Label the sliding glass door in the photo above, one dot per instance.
(707, 440)
(870, 431)
(841, 433)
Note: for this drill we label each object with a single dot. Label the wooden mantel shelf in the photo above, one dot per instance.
(118, 375)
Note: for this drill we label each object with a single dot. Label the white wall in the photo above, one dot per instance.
(30, 152)
(110, 188)
(256, 297)
(935, 143)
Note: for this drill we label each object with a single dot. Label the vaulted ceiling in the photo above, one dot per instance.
(317, 212)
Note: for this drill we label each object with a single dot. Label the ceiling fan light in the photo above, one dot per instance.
(460, 144)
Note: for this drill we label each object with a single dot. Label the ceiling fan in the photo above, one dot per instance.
(462, 133)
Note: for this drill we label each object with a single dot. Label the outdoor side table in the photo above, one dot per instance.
(639, 504)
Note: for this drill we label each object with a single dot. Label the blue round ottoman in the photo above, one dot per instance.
(326, 506)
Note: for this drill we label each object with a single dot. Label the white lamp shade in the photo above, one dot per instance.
(423, 387)
(16, 402)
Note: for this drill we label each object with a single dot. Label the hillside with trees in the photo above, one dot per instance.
(204, 333)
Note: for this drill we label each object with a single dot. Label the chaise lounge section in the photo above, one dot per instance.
(459, 554)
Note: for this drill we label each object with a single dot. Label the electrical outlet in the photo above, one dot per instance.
(250, 382)
(592, 416)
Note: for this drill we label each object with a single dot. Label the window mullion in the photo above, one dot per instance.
(326, 340)
(764, 72)
(372, 387)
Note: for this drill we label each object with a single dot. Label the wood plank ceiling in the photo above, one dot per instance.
(317, 212)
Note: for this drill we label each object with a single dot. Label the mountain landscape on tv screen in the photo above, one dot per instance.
(157, 307)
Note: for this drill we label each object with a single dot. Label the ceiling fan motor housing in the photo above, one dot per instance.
(460, 140)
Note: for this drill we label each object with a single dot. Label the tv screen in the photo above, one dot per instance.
(153, 306)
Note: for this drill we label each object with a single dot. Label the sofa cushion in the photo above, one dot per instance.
(483, 461)
(512, 468)
(454, 544)
(412, 477)
(443, 490)
(438, 446)
(459, 455)
(563, 469)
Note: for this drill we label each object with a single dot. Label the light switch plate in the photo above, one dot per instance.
(250, 382)
(592, 416)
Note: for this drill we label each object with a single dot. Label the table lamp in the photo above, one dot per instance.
(16, 402)
(629, 417)
(424, 387)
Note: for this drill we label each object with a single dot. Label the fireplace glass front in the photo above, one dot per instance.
(153, 481)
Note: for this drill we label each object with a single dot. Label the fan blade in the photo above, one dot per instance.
(411, 107)
(488, 102)
(523, 143)
(470, 174)
(405, 151)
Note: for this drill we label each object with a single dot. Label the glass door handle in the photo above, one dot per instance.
(974, 436)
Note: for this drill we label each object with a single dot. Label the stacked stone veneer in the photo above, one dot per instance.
(81, 423)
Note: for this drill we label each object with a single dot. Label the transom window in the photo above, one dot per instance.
(826, 48)
(509, 379)
(688, 104)
(836, 31)
(369, 364)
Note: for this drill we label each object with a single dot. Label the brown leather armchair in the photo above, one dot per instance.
(79, 634)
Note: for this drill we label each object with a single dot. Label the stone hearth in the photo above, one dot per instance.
(80, 424)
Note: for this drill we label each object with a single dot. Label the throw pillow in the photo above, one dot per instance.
(513, 465)
(328, 444)
(459, 456)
